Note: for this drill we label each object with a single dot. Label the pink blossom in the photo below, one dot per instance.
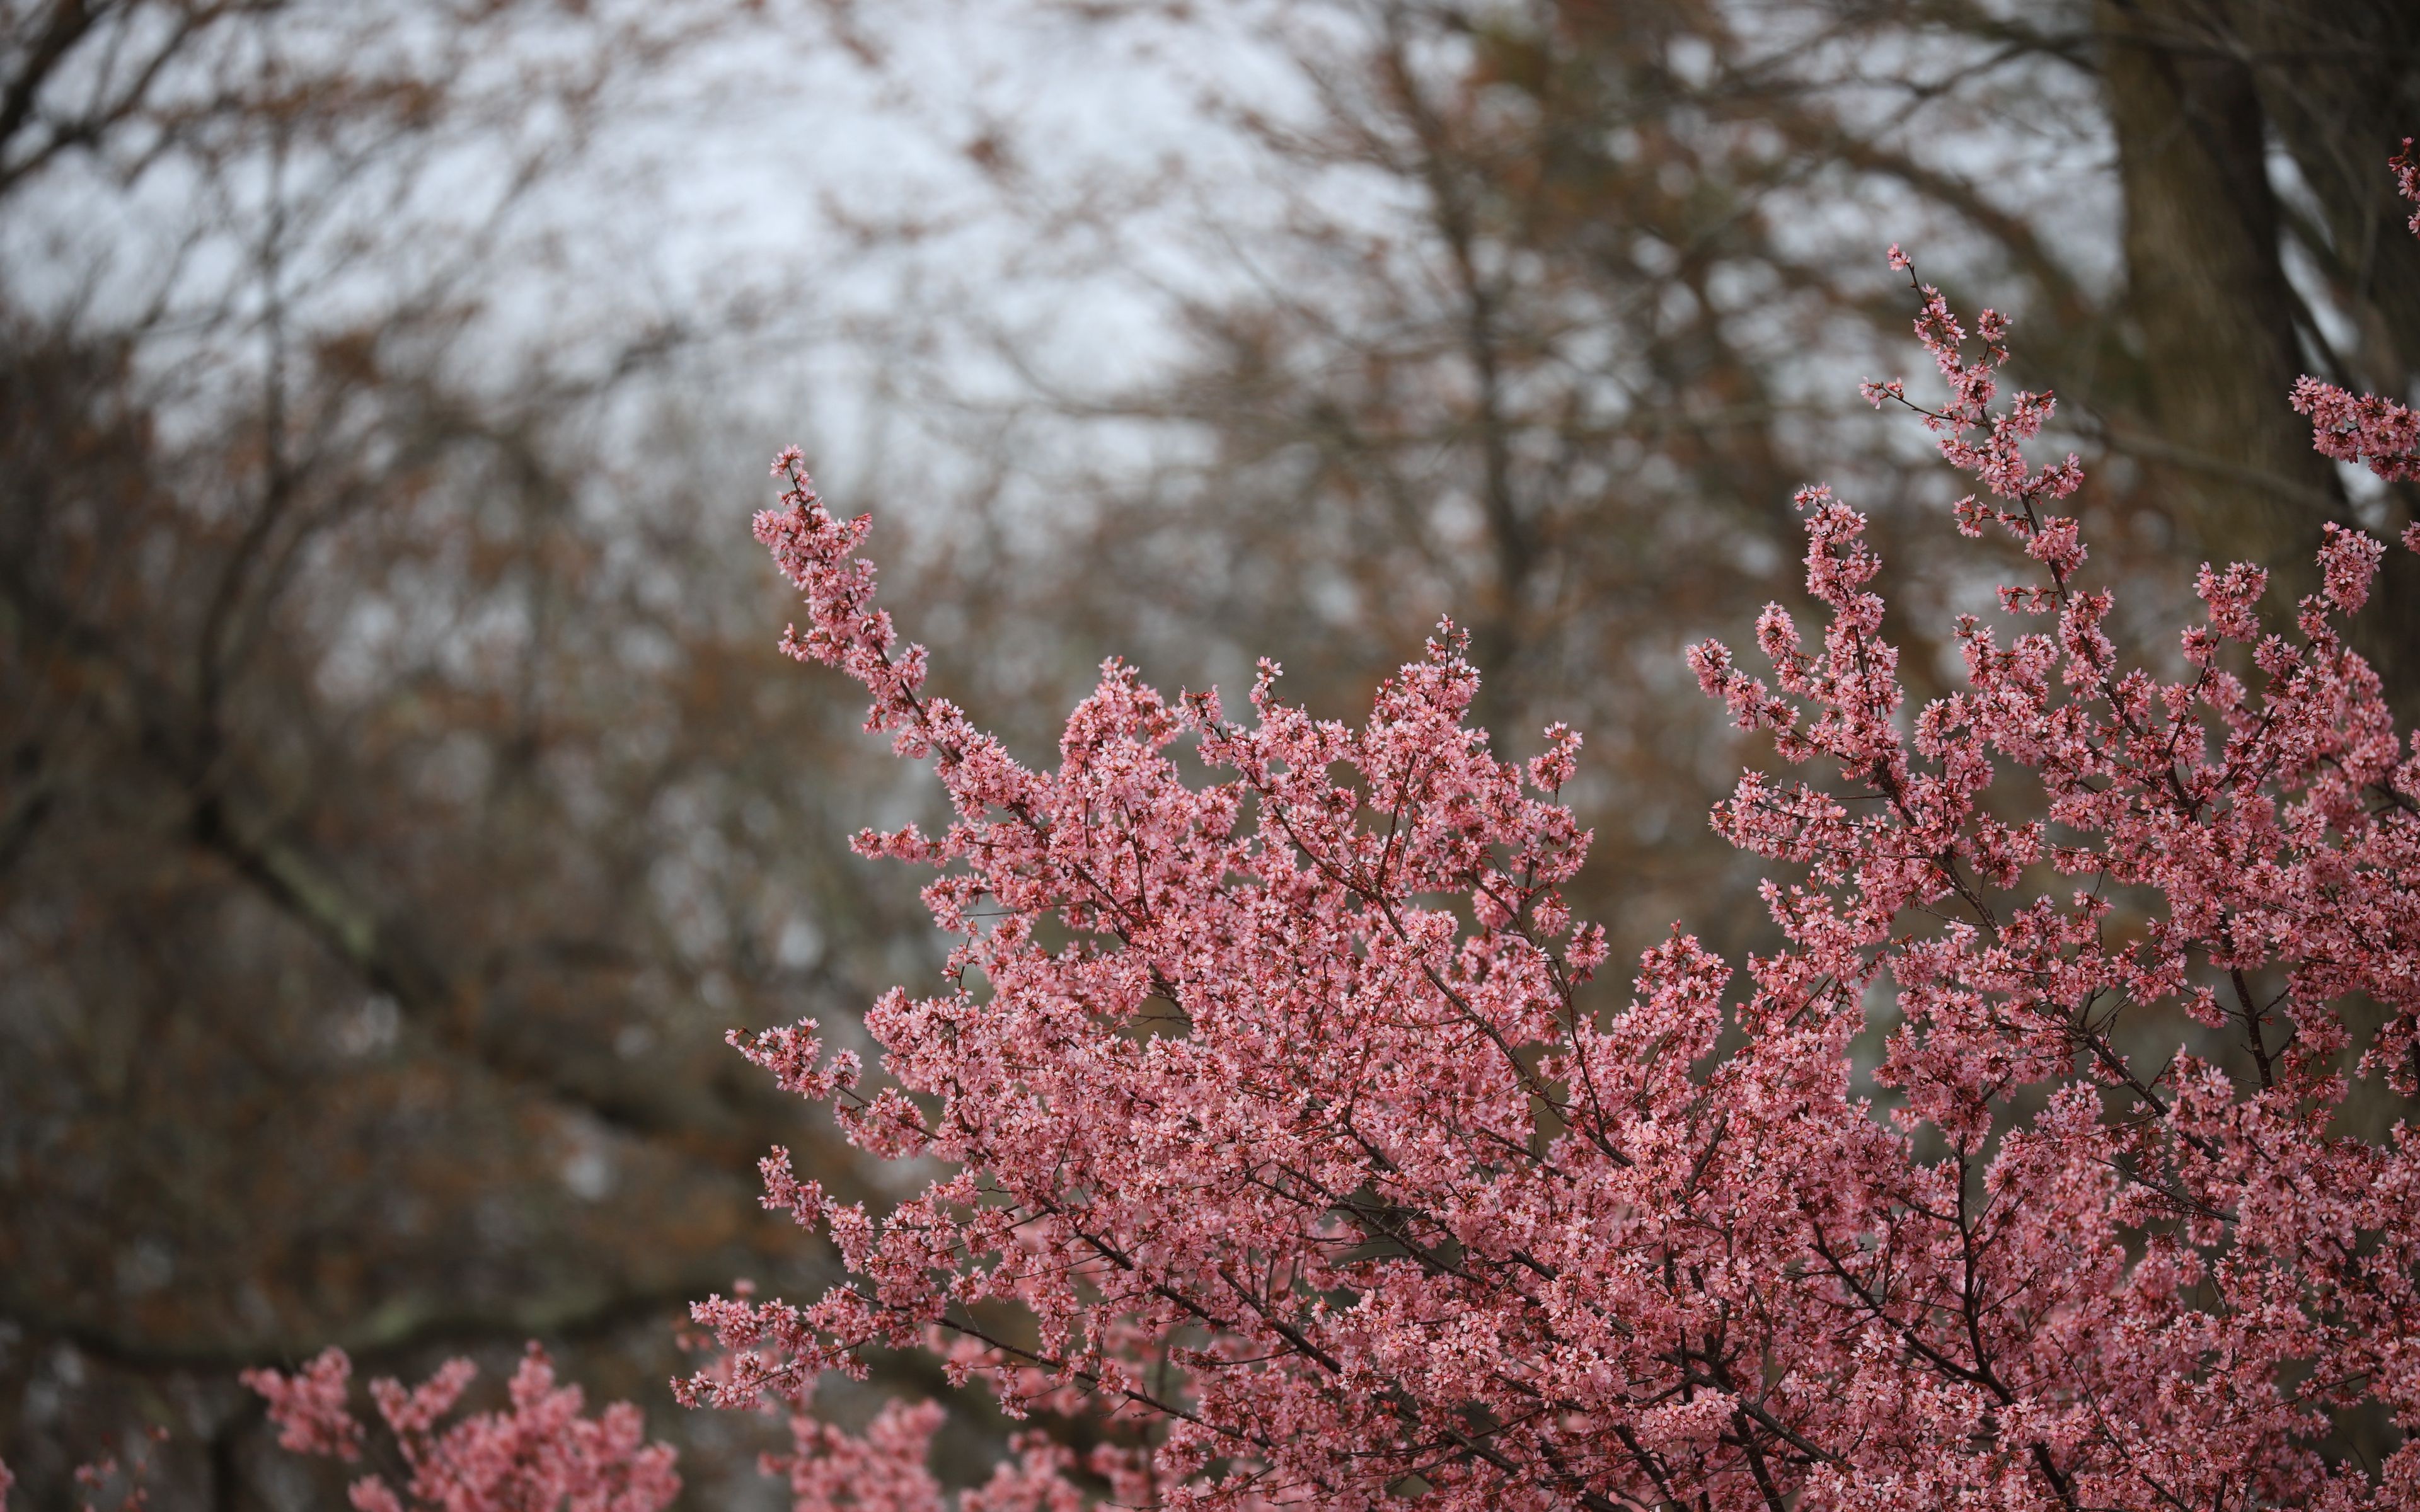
(309, 1409)
(2347, 563)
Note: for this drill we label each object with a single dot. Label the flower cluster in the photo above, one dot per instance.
(1283, 1132)
(540, 1455)
(2375, 433)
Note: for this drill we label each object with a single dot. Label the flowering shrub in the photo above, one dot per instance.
(1278, 1110)
(538, 1456)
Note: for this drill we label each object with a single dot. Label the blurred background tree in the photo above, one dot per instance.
(399, 794)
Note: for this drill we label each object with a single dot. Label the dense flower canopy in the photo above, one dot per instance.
(1276, 1106)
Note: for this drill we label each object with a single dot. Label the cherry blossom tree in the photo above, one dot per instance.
(1284, 1125)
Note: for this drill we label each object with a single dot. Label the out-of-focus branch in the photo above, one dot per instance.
(64, 22)
(379, 946)
(69, 24)
(386, 1335)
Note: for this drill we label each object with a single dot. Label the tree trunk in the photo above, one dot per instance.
(2340, 83)
(2208, 288)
